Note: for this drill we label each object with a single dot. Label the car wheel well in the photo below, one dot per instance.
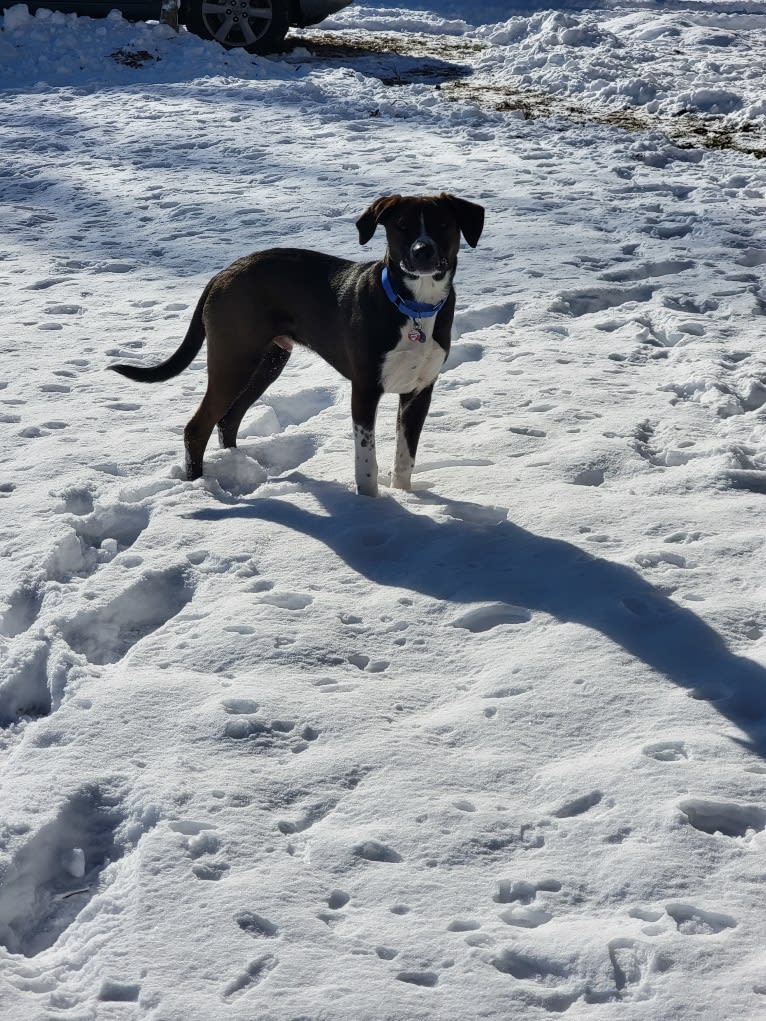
(293, 7)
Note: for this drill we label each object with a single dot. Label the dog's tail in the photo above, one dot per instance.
(180, 359)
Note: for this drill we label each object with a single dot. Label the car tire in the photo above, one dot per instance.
(258, 26)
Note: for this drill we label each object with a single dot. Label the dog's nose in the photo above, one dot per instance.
(422, 250)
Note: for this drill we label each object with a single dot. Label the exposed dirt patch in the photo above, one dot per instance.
(134, 58)
(686, 130)
(396, 58)
(403, 58)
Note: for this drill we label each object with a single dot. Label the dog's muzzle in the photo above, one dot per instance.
(424, 259)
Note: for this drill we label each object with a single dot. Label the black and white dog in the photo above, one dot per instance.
(384, 325)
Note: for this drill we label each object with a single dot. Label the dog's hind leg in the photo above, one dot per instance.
(270, 366)
(223, 389)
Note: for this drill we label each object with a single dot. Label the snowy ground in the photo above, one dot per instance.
(491, 749)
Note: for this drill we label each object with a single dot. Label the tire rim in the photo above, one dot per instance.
(237, 22)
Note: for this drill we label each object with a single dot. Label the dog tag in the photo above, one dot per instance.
(416, 335)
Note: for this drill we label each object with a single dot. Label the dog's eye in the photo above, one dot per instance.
(401, 225)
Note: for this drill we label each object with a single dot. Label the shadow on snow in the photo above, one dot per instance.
(474, 556)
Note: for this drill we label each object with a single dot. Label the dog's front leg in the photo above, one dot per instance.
(413, 409)
(364, 407)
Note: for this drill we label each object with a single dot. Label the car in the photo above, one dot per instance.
(258, 26)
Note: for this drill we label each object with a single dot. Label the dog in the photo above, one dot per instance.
(383, 325)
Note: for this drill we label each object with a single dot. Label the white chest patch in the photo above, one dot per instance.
(412, 366)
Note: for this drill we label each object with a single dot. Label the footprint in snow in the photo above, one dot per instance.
(646, 270)
(463, 805)
(200, 838)
(301, 407)
(522, 891)
(240, 629)
(479, 318)
(666, 751)
(590, 477)
(308, 818)
(486, 618)
(375, 851)
(507, 692)
(256, 925)
(419, 978)
(122, 406)
(54, 875)
(526, 430)
(528, 917)
(287, 600)
(96, 538)
(578, 806)
(211, 871)
(262, 736)
(598, 299)
(683, 537)
(240, 706)
(661, 559)
(22, 608)
(463, 925)
(286, 452)
(338, 899)
(25, 692)
(107, 634)
(723, 817)
(631, 962)
(540, 969)
(462, 353)
(253, 975)
(116, 991)
(370, 666)
(233, 473)
(645, 606)
(692, 921)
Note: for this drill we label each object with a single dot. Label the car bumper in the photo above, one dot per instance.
(311, 12)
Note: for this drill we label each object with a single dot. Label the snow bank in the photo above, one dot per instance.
(669, 62)
(50, 48)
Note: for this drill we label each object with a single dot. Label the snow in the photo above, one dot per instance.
(706, 61)
(491, 748)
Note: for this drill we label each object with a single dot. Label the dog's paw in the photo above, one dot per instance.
(368, 488)
(401, 482)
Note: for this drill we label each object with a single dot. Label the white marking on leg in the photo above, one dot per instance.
(365, 461)
(404, 462)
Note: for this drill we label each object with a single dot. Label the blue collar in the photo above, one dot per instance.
(411, 309)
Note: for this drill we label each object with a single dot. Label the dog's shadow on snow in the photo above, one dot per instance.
(473, 555)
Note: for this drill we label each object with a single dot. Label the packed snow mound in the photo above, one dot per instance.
(706, 61)
(50, 48)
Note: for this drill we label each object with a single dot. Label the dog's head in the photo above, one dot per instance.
(423, 231)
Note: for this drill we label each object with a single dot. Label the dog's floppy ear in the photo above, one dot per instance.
(469, 216)
(370, 218)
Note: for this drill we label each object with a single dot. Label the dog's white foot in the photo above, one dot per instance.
(401, 482)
